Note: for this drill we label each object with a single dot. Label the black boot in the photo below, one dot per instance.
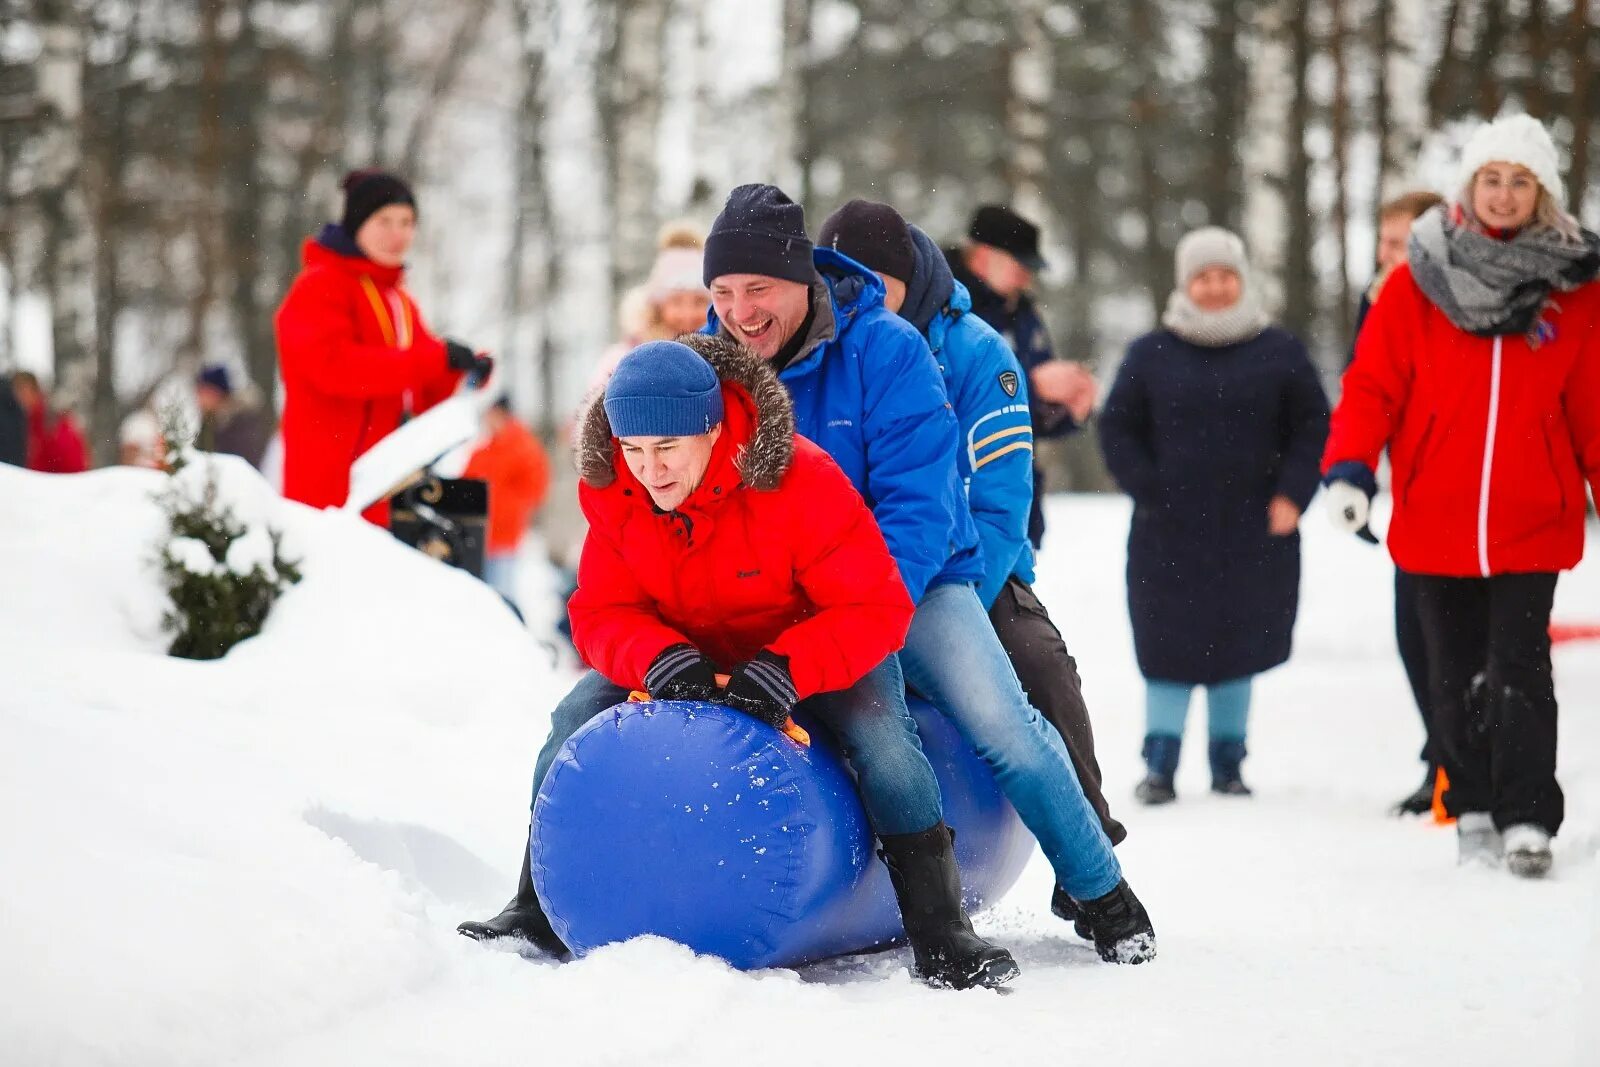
(928, 885)
(522, 918)
(1066, 908)
(1225, 759)
(1120, 926)
(1420, 802)
(1161, 757)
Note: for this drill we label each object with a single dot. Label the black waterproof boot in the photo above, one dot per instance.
(522, 918)
(1066, 908)
(1420, 802)
(1225, 759)
(1120, 926)
(1161, 757)
(928, 885)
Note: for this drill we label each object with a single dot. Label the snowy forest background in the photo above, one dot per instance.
(161, 160)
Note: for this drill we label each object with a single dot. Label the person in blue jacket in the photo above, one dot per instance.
(986, 385)
(997, 263)
(867, 390)
(1215, 427)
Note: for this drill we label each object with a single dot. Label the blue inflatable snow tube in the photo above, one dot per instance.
(696, 823)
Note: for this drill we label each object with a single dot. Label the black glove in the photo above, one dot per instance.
(461, 357)
(681, 673)
(762, 688)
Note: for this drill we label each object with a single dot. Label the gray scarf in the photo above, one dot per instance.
(1213, 329)
(1491, 287)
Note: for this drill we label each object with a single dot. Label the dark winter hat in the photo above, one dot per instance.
(760, 231)
(663, 389)
(367, 192)
(1004, 229)
(216, 376)
(874, 235)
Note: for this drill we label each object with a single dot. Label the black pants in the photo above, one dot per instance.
(1049, 675)
(1414, 656)
(1494, 703)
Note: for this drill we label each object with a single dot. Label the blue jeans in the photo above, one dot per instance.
(500, 574)
(1227, 708)
(953, 658)
(870, 721)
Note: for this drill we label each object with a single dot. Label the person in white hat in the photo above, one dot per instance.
(1478, 369)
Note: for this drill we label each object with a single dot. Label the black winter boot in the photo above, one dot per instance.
(1120, 926)
(1225, 759)
(1161, 757)
(1064, 907)
(928, 885)
(1421, 801)
(522, 918)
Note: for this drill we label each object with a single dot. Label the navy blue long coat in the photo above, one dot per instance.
(1203, 439)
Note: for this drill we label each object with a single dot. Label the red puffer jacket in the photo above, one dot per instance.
(775, 549)
(1490, 439)
(355, 356)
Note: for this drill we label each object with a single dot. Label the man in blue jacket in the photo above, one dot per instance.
(997, 264)
(990, 394)
(867, 390)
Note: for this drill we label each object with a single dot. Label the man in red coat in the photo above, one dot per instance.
(720, 541)
(55, 443)
(352, 347)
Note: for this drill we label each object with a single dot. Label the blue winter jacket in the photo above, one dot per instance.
(867, 391)
(990, 393)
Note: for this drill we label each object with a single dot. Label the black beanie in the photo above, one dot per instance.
(874, 235)
(760, 231)
(369, 191)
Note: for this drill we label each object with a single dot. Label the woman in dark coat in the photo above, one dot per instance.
(1215, 427)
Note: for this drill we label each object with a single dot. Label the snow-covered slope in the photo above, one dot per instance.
(262, 860)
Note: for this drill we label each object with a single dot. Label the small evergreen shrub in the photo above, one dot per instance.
(221, 577)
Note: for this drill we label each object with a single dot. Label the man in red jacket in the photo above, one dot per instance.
(721, 541)
(352, 348)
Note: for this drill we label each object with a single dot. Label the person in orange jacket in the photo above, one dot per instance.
(514, 464)
(355, 355)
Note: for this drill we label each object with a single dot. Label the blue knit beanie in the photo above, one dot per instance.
(663, 389)
(760, 231)
(216, 375)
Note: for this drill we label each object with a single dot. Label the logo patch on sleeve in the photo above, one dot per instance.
(1008, 382)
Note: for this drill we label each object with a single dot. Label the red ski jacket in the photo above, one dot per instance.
(1491, 440)
(355, 356)
(55, 444)
(775, 549)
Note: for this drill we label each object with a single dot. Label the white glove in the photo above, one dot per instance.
(1347, 506)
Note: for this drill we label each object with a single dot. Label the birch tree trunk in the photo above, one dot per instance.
(1405, 88)
(69, 240)
(1341, 169)
(1032, 83)
(1264, 154)
(631, 83)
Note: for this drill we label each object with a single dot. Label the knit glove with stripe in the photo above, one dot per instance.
(762, 688)
(680, 672)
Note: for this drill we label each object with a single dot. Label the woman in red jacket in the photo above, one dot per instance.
(353, 351)
(1479, 369)
(721, 541)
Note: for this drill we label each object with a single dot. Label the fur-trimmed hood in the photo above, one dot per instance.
(761, 461)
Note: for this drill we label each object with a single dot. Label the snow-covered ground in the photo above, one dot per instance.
(262, 860)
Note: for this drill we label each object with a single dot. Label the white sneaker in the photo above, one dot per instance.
(1477, 841)
(1527, 850)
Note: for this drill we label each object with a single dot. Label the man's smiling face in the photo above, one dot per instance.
(760, 311)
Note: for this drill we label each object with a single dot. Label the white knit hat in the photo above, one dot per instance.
(676, 270)
(1519, 139)
(1209, 246)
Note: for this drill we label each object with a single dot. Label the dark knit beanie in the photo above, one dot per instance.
(216, 375)
(760, 231)
(367, 192)
(663, 389)
(874, 235)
